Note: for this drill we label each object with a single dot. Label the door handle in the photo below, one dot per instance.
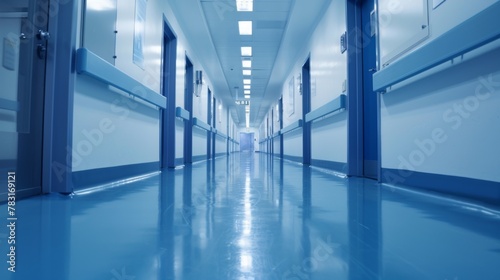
(43, 35)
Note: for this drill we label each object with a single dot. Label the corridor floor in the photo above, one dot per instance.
(249, 216)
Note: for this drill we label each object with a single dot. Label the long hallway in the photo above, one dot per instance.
(251, 216)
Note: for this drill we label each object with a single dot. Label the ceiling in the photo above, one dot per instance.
(281, 29)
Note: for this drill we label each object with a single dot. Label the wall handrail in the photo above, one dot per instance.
(182, 113)
(202, 125)
(333, 106)
(293, 126)
(92, 65)
(9, 105)
(277, 134)
(220, 134)
(471, 34)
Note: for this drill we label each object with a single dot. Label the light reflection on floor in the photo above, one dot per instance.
(252, 217)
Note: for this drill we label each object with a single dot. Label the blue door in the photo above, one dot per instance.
(188, 105)
(246, 142)
(168, 88)
(371, 137)
(22, 78)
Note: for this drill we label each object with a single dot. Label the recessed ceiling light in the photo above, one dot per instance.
(246, 51)
(246, 63)
(245, 27)
(247, 96)
(247, 87)
(247, 81)
(247, 72)
(244, 5)
(247, 91)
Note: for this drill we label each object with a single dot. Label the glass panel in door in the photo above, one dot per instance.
(23, 42)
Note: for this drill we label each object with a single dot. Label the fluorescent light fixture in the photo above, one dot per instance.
(247, 87)
(247, 63)
(247, 96)
(247, 72)
(246, 51)
(245, 27)
(244, 5)
(101, 5)
(247, 91)
(247, 81)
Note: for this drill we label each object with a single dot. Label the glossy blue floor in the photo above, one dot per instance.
(250, 216)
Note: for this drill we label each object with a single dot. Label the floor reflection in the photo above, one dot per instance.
(251, 216)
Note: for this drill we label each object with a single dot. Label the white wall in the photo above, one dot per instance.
(110, 129)
(199, 142)
(328, 73)
(396, 17)
(293, 143)
(133, 130)
(446, 121)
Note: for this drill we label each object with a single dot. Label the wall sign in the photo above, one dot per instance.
(139, 32)
(242, 102)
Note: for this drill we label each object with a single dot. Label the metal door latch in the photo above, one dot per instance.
(41, 51)
(43, 35)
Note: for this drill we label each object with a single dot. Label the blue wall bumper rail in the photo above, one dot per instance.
(220, 134)
(90, 64)
(202, 125)
(183, 114)
(333, 106)
(293, 126)
(277, 134)
(9, 105)
(473, 33)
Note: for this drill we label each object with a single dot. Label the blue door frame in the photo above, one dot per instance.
(272, 133)
(364, 155)
(168, 90)
(355, 89)
(371, 114)
(306, 108)
(228, 132)
(59, 92)
(209, 118)
(214, 122)
(188, 105)
(280, 109)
